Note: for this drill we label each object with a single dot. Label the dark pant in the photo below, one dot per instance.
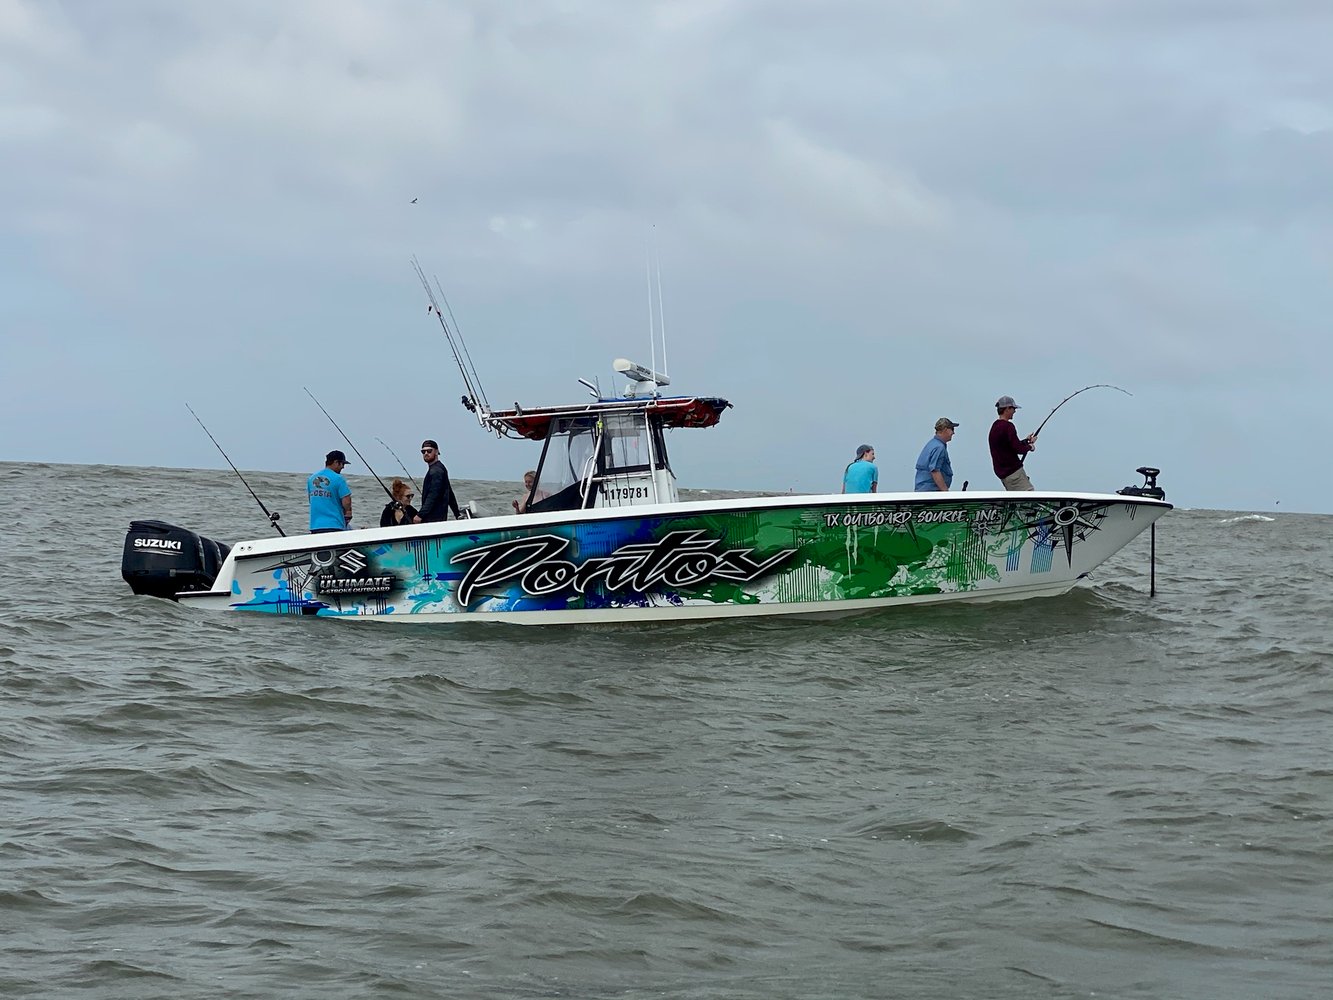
(324, 531)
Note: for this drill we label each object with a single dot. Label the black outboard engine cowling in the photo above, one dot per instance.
(162, 560)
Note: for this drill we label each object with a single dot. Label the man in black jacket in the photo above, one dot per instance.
(437, 496)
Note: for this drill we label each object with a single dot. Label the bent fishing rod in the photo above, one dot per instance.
(349, 443)
(1099, 385)
(400, 463)
(272, 517)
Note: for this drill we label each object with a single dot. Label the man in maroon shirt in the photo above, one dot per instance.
(1006, 450)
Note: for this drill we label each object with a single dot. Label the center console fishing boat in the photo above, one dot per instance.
(607, 538)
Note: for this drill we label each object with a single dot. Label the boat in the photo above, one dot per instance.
(606, 537)
(612, 541)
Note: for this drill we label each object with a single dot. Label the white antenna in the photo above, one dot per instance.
(648, 273)
(661, 318)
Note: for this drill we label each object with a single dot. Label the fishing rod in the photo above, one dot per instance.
(1099, 385)
(476, 395)
(400, 463)
(272, 517)
(349, 443)
(458, 330)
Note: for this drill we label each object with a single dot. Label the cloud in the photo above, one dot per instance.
(877, 208)
(27, 124)
(842, 190)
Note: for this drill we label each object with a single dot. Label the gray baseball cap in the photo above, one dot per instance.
(1004, 401)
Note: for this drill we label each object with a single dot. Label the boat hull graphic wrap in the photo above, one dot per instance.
(712, 559)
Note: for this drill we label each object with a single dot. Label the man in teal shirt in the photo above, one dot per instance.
(861, 476)
(330, 496)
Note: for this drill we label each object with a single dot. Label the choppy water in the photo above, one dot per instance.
(1101, 794)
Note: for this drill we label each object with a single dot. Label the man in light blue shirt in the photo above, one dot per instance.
(330, 496)
(862, 476)
(934, 471)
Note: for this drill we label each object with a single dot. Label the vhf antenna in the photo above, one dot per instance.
(653, 261)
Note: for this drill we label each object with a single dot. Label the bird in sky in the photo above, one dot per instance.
(414, 201)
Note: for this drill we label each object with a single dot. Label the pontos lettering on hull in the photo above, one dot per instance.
(681, 559)
(168, 544)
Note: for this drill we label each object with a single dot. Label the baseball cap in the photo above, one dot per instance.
(944, 422)
(335, 456)
(1004, 401)
(862, 449)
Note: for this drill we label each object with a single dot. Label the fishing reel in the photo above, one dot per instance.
(1149, 487)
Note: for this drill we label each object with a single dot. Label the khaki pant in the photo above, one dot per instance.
(1017, 481)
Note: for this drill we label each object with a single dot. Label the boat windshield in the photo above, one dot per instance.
(626, 443)
(585, 452)
(570, 456)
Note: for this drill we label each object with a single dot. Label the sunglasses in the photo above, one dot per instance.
(427, 451)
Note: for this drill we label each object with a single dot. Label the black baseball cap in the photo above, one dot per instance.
(335, 456)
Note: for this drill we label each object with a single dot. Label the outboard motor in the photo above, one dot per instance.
(162, 560)
(1149, 487)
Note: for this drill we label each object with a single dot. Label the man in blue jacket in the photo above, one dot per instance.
(934, 471)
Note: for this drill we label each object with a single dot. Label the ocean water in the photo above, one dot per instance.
(1103, 794)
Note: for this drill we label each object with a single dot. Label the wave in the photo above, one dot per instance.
(1247, 519)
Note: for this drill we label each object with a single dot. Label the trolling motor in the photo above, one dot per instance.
(1149, 487)
(1152, 490)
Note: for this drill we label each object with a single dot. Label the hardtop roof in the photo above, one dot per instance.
(675, 411)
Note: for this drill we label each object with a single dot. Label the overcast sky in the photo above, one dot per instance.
(868, 215)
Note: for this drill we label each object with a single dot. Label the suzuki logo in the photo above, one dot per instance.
(352, 562)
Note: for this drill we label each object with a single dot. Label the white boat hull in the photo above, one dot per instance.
(807, 556)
